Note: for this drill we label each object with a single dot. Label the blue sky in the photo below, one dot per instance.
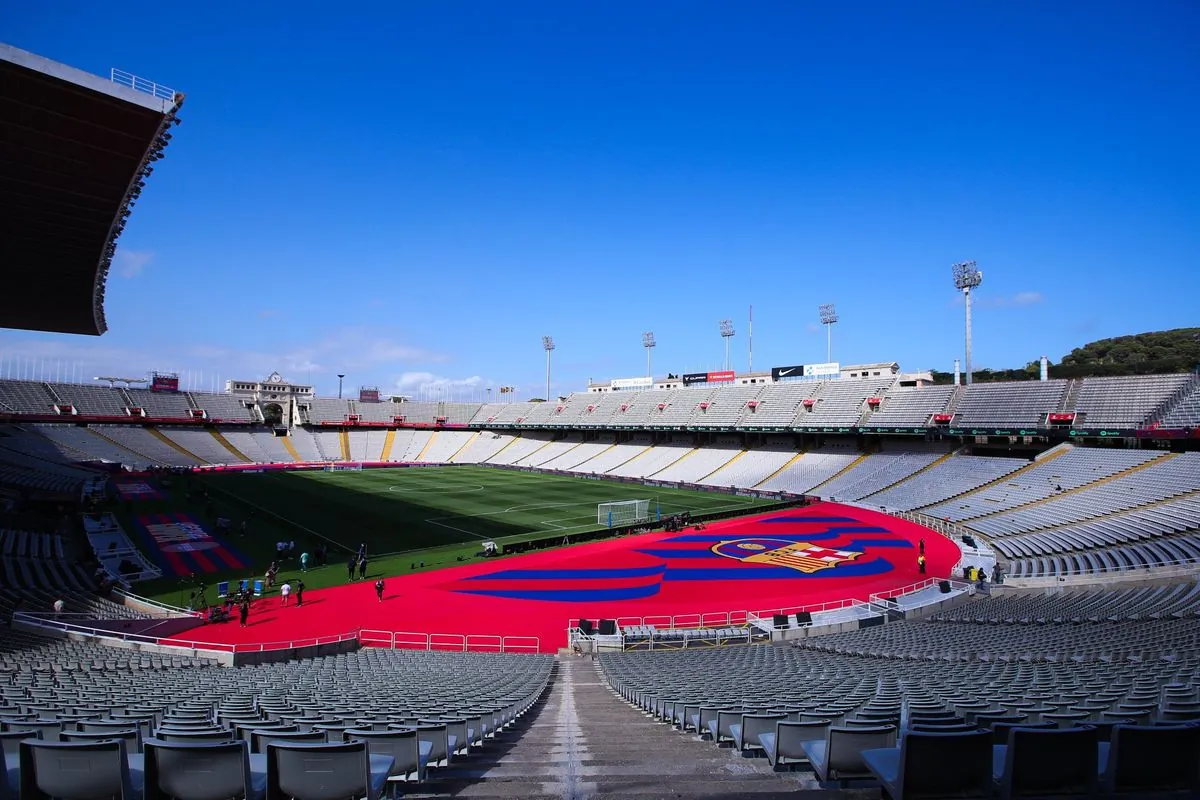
(413, 194)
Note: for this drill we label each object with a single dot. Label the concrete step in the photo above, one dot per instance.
(583, 742)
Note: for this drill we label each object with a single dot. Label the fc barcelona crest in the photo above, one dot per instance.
(801, 556)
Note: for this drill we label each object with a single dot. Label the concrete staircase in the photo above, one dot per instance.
(581, 741)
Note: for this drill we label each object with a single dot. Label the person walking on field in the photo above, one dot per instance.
(304, 562)
(379, 589)
(362, 568)
(350, 565)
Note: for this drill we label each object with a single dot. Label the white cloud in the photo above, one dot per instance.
(813, 327)
(131, 263)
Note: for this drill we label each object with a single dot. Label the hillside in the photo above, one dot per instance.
(1157, 352)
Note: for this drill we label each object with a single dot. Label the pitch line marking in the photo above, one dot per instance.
(437, 490)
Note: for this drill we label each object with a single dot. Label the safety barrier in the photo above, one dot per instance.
(449, 642)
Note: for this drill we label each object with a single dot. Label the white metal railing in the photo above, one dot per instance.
(136, 601)
(1169, 569)
(142, 85)
(60, 623)
(449, 642)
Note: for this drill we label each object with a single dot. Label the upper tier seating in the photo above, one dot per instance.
(221, 407)
(1125, 402)
(161, 405)
(842, 402)
(1016, 404)
(98, 401)
(28, 397)
(906, 406)
(1185, 413)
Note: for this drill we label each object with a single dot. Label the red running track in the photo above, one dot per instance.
(733, 565)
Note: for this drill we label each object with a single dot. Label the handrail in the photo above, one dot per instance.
(456, 642)
(45, 622)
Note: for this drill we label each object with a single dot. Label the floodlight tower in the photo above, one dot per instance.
(828, 318)
(340, 377)
(967, 277)
(727, 334)
(548, 346)
(648, 343)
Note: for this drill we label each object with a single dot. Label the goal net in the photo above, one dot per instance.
(622, 512)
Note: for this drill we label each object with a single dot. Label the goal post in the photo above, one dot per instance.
(622, 512)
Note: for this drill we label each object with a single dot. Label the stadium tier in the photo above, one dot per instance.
(66, 197)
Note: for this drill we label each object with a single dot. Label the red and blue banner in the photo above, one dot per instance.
(791, 549)
(182, 546)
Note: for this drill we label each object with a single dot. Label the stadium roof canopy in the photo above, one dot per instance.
(77, 149)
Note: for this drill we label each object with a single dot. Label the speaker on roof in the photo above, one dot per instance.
(585, 627)
(608, 627)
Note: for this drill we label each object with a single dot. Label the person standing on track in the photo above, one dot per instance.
(299, 593)
(350, 565)
(379, 589)
(284, 591)
(244, 611)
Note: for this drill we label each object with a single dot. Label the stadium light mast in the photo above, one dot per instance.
(648, 343)
(829, 318)
(548, 346)
(340, 377)
(967, 277)
(727, 334)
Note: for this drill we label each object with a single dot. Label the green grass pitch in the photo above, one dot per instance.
(439, 515)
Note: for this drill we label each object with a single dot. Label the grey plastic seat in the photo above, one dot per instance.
(200, 771)
(935, 765)
(1039, 762)
(75, 770)
(323, 771)
(411, 755)
(839, 757)
(131, 736)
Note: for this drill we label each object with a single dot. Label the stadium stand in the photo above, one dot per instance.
(302, 439)
(751, 468)
(1060, 470)
(809, 470)
(842, 402)
(1024, 403)
(202, 444)
(1185, 413)
(481, 448)
(906, 406)
(91, 400)
(160, 405)
(876, 472)
(27, 397)
(1161, 479)
(651, 461)
(1125, 402)
(958, 474)
(220, 407)
(780, 407)
(577, 454)
(700, 462)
